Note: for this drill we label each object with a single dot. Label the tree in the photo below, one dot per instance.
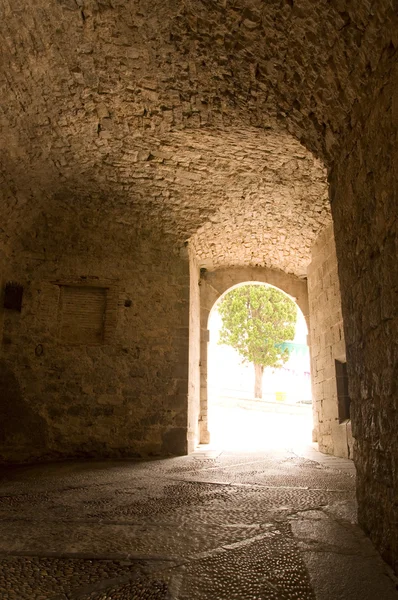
(256, 321)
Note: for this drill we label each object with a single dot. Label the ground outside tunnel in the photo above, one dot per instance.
(277, 525)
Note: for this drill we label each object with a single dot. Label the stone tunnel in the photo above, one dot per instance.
(153, 154)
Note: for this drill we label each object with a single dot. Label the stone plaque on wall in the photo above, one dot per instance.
(82, 314)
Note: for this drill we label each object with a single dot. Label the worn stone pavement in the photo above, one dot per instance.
(275, 525)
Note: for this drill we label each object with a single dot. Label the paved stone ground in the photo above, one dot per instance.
(215, 525)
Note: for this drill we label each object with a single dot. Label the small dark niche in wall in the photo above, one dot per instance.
(13, 294)
(344, 402)
(39, 350)
(128, 303)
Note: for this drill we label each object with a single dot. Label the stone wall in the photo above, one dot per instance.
(364, 195)
(176, 114)
(4, 265)
(194, 354)
(327, 346)
(213, 284)
(208, 296)
(124, 396)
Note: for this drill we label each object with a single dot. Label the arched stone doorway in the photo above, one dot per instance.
(325, 72)
(213, 285)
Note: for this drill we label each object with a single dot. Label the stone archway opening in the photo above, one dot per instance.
(133, 130)
(236, 419)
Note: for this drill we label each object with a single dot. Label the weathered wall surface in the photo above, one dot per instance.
(327, 345)
(364, 194)
(214, 284)
(176, 113)
(208, 296)
(4, 265)
(194, 354)
(125, 396)
(4, 370)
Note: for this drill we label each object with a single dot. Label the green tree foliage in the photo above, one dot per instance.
(256, 320)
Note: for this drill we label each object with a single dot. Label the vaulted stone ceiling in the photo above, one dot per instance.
(184, 116)
(269, 200)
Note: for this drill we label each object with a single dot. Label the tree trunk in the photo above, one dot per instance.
(258, 381)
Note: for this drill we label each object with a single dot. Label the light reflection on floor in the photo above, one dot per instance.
(238, 429)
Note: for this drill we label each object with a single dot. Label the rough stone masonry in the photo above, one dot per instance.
(132, 130)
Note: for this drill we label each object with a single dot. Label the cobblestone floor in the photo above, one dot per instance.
(216, 525)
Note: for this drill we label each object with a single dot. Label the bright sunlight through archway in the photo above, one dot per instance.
(282, 418)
